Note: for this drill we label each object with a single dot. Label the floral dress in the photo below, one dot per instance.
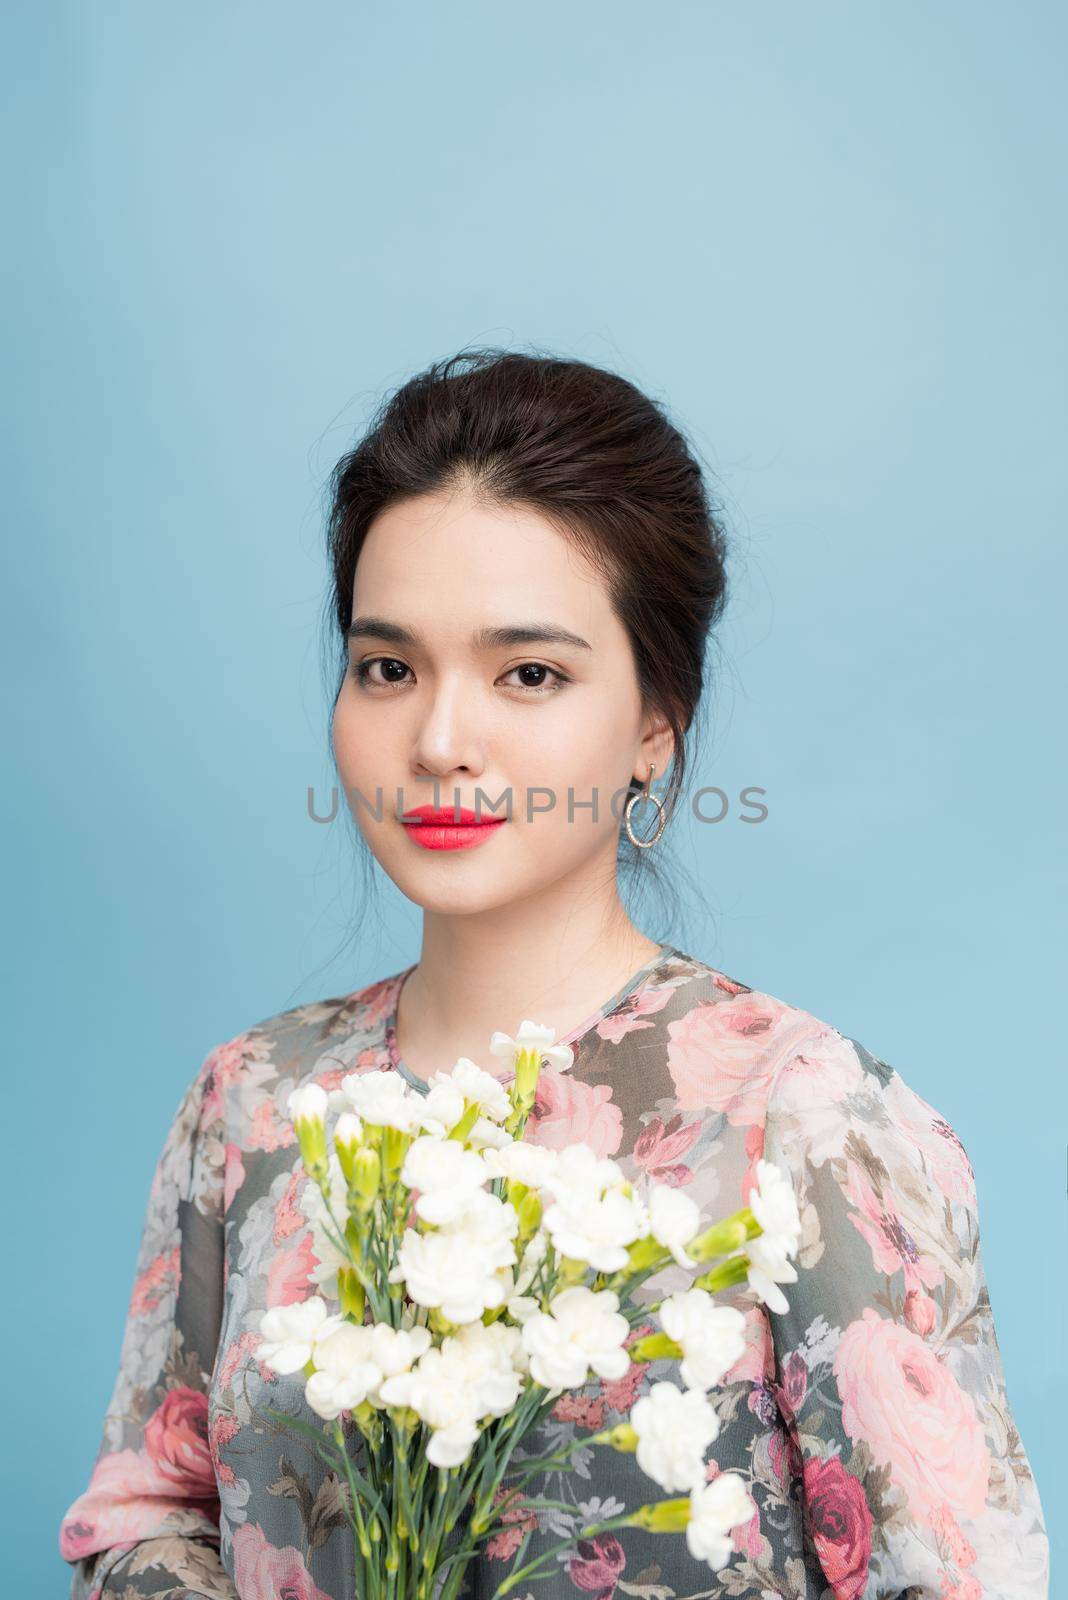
(869, 1420)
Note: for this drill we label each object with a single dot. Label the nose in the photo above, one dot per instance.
(448, 735)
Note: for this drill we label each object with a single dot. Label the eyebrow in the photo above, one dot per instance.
(481, 639)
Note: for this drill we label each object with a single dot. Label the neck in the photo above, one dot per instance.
(481, 972)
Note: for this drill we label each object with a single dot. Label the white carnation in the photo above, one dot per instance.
(308, 1103)
(596, 1229)
(442, 1108)
(520, 1162)
(440, 1390)
(579, 1171)
(494, 1361)
(487, 1135)
(477, 1088)
(396, 1350)
(674, 1428)
(348, 1128)
(456, 1268)
(289, 1334)
(712, 1337)
(774, 1205)
(345, 1372)
(582, 1329)
(536, 1037)
(384, 1100)
(446, 1176)
(716, 1508)
(673, 1220)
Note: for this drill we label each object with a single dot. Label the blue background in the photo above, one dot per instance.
(827, 237)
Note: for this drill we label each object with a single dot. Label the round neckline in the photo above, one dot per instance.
(578, 1032)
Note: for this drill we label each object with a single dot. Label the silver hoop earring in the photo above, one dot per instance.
(640, 798)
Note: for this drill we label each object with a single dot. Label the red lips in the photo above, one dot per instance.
(448, 827)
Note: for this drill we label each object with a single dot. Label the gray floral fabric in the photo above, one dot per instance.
(870, 1420)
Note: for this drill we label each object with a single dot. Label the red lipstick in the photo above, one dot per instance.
(448, 827)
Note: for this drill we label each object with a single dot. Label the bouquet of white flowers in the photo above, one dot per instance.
(472, 1277)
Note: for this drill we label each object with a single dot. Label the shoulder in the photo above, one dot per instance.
(742, 1046)
(760, 1058)
(294, 1042)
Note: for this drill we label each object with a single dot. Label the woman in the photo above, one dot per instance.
(526, 570)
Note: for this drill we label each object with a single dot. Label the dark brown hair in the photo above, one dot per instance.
(594, 455)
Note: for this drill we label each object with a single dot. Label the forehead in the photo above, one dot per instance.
(448, 558)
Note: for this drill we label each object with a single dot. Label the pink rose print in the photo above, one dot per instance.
(893, 1247)
(914, 1415)
(288, 1274)
(790, 1393)
(951, 1540)
(823, 1071)
(241, 1348)
(635, 1013)
(160, 1277)
(945, 1158)
(263, 1573)
(267, 1130)
(660, 1147)
(967, 1589)
(567, 1110)
(619, 1394)
(176, 1438)
(288, 1217)
(729, 985)
(503, 1545)
(757, 1360)
(919, 1312)
(722, 1054)
(223, 1427)
(233, 1174)
(596, 1565)
(223, 1067)
(840, 1522)
(780, 1456)
(578, 1408)
(129, 1489)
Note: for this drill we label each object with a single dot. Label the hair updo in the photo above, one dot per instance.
(596, 457)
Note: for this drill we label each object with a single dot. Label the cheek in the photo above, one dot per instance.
(352, 746)
(588, 761)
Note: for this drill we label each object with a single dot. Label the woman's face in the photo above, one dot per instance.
(534, 719)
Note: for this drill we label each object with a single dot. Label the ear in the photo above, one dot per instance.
(657, 746)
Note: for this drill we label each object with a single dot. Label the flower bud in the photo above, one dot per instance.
(394, 1149)
(655, 1346)
(366, 1173)
(529, 1214)
(527, 1073)
(725, 1236)
(646, 1253)
(622, 1437)
(734, 1270)
(351, 1293)
(919, 1312)
(348, 1134)
(466, 1122)
(307, 1108)
(666, 1516)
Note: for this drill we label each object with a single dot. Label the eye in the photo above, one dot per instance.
(361, 671)
(540, 687)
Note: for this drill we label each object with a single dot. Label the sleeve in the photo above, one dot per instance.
(907, 1473)
(148, 1521)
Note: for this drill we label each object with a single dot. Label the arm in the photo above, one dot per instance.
(148, 1521)
(909, 1474)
